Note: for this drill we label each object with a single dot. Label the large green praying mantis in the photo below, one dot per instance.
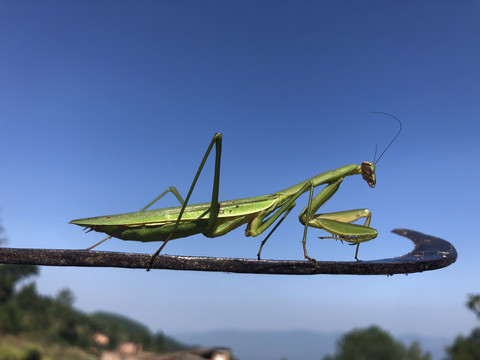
(217, 218)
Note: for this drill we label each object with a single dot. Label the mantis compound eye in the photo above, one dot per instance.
(368, 173)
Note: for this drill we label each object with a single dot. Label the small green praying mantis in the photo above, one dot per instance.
(217, 218)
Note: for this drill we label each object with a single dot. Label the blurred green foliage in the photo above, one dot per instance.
(53, 320)
(375, 343)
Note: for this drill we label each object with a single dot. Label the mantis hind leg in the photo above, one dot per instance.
(171, 189)
(214, 205)
(98, 243)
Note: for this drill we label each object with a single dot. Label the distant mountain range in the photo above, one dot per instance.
(291, 345)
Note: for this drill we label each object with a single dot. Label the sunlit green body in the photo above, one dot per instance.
(258, 213)
(217, 218)
(156, 225)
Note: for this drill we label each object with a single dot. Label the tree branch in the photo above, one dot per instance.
(430, 253)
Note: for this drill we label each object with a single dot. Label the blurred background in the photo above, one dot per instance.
(103, 105)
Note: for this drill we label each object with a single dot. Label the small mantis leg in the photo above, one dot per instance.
(171, 189)
(98, 243)
(304, 239)
(258, 225)
(274, 228)
(214, 205)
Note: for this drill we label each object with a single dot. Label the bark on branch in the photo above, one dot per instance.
(430, 253)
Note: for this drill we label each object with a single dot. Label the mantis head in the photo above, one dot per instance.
(367, 169)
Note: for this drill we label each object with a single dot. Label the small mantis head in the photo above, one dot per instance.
(367, 169)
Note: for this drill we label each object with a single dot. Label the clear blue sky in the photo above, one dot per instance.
(105, 104)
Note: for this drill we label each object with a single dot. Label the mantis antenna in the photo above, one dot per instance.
(375, 160)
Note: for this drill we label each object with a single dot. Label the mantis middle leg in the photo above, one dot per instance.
(258, 225)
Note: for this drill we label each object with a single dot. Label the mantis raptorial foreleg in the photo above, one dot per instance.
(339, 223)
(341, 218)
